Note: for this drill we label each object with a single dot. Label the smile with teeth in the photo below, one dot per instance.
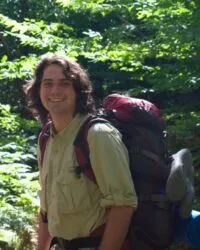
(56, 100)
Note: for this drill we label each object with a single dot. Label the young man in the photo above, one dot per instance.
(77, 207)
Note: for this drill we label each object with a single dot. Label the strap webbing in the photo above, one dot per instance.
(85, 242)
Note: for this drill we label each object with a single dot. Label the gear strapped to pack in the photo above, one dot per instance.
(143, 132)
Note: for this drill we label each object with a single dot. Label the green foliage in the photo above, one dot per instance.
(145, 48)
(18, 177)
(19, 195)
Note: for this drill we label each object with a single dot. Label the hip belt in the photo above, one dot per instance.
(84, 242)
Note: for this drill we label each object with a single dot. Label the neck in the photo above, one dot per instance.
(61, 122)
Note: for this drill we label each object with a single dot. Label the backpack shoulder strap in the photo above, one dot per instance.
(42, 140)
(82, 148)
(80, 144)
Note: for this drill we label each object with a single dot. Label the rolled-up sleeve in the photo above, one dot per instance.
(110, 163)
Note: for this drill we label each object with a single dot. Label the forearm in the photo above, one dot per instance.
(117, 226)
(44, 237)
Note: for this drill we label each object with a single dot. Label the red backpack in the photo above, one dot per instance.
(143, 132)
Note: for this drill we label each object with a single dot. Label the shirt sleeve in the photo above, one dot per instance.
(110, 163)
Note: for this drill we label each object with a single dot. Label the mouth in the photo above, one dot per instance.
(55, 100)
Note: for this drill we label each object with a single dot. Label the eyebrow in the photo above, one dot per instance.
(50, 79)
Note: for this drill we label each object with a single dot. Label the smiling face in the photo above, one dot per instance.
(57, 93)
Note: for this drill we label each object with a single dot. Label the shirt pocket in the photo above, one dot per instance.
(72, 192)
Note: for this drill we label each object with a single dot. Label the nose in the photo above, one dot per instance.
(55, 89)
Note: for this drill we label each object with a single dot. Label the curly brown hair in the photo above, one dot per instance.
(74, 72)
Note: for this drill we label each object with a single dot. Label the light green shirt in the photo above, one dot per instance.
(76, 205)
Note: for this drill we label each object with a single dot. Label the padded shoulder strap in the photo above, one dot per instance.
(82, 147)
(43, 138)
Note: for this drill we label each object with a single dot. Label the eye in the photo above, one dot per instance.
(66, 83)
(46, 84)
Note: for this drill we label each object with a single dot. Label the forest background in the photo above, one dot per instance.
(145, 48)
